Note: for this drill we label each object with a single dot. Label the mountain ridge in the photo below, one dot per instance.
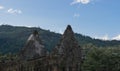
(13, 38)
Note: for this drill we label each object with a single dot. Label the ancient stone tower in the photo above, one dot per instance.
(68, 52)
(33, 48)
(66, 56)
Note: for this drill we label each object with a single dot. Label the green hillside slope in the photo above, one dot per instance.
(13, 38)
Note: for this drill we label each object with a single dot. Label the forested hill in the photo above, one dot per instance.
(13, 38)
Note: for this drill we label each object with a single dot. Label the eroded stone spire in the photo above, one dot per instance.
(68, 51)
(33, 48)
(68, 32)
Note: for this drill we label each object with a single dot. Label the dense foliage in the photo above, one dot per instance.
(98, 55)
(13, 38)
(8, 57)
(102, 59)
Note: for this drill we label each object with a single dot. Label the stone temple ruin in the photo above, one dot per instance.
(66, 56)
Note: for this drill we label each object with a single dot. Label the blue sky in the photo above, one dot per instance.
(95, 18)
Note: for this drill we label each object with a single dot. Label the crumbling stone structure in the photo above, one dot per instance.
(66, 56)
(34, 47)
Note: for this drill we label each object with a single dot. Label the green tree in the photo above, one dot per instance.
(102, 59)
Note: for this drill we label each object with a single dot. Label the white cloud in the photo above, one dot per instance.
(105, 37)
(80, 1)
(14, 11)
(1, 7)
(116, 38)
(76, 15)
(61, 31)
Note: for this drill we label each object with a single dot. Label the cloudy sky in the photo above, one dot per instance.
(95, 18)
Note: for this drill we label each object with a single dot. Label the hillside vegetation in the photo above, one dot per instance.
(13, 38)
